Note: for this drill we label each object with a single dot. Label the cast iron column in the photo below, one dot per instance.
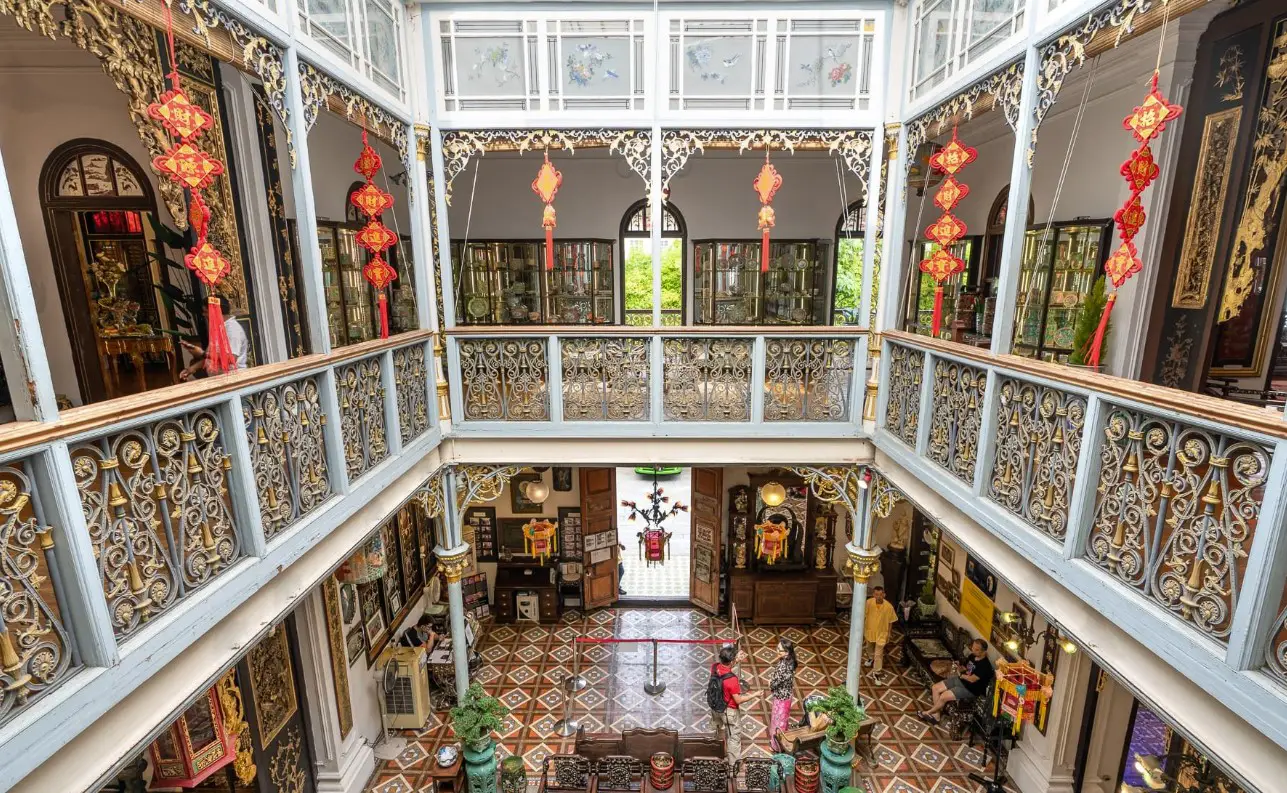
(865, 561)
(454, 559)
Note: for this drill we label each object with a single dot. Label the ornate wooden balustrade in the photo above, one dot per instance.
(1168, 503)
(121, 511)
(637, 380)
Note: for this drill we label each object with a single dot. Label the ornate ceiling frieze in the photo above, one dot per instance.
(460, 146)
(319, 88)
(1005, 87)
(853, 146)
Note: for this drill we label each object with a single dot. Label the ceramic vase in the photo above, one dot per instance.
(807, 774)
(480, 767)
(836, 771)
(662, 771)
(513, 775)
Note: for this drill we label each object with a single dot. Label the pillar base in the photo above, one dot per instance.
(358, 766)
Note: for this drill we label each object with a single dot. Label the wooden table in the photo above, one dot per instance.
(450, 779)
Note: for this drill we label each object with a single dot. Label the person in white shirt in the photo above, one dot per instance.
(238, 342)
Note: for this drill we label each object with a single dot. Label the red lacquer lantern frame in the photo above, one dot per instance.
(190, 765)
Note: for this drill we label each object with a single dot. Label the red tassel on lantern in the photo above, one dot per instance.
(546, 186)
(938, 309)
(766, 185)
(383, 303)
(1097, 343)
(219, 357)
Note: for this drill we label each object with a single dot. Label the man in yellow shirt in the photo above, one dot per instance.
(879, 615)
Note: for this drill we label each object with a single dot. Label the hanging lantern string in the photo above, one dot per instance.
(169, 44)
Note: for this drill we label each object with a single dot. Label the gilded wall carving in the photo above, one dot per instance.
(1261, 197)
(272, 684)
(902, 407)
(234, 716)
(1230, 75)
(362, 421)
(283, 251)
(34, 646)
(605, 379)
(1206, 207)
(853, 147)
(1176, 511)
(284, 426)
(411, 379)
(956, 416)
(460, 146)
(808, 379)
(1039, 431)
(707, 379)
(339, 659)
(1004, 87)
(287, 767)
(317, 87)
(157, 508)
(504, 379)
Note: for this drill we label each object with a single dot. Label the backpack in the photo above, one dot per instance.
(715, 691)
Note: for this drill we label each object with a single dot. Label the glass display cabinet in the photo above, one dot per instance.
(506, 283)
(920, 298)
(1056, 274)
(729, 288)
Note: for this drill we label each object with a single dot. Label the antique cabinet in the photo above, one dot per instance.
(920, 297)
(1059, 267)
(504, 282)
(730, 289)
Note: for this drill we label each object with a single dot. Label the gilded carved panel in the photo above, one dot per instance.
(956, 416)
(339, 660)
(1176, 511)
(1039, 432)
(902, 407)
(411, 379)
(287, 452)
(1206, 207)
(362, 421)
(272, 684)
(286, 770)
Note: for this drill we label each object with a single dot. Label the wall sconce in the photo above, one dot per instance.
(773, 494)
(537, 491)
(1009, 617)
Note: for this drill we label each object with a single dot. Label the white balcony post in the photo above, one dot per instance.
(328, 391)
(655, 210)
(893, 252)
(313, 290)
(759, 382)
(241, 479)
(31, 385)
(455, 395)
(1016, 222)
(987, 434)
(422, 232)
(554, 377)
(1263, 579)
(1081, 502)
(392, 418)
(445, 274)
(871, 219)
(925, 405)
(656, 379)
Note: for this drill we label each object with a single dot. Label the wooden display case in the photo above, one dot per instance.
(504, 282)
(729, 288)
(920, 297)
(1055, 276)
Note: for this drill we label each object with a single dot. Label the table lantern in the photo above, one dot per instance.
(771, 541)
(195, 746)
(1022, 693)
(540, 539)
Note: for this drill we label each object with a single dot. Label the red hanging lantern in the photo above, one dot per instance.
(1145, 123)
(374, 237)
(194, 170)
(766, 185)
(941, 264)
(546, 186)
(195, 746)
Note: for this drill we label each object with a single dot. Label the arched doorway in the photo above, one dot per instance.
(851, 231)
(99, 211)
(636, 278)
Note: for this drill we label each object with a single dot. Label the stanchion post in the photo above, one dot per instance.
(654, 688)
(575, 682)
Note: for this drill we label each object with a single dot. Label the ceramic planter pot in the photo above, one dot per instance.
(480, 766)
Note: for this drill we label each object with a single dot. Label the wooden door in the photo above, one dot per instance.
(599, 521)
(272, 694)
(703, 580)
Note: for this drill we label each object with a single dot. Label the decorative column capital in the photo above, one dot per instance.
(865, 562)
(454, 562)
(422, 141)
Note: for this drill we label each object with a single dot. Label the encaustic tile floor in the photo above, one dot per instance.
(524, 665)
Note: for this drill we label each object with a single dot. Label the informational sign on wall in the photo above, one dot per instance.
(977, 607)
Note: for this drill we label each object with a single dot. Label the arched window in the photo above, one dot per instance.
(636, 277)
(851, 231)
(98, 205)
(995, 233)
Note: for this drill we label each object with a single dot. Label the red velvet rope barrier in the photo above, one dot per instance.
(591, 640)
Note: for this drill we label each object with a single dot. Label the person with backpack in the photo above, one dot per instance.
(725, 697)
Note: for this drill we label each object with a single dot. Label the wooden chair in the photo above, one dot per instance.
(706, 775)
(569, 773)
(618, 773)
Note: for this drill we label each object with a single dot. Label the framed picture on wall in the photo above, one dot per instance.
(946, 554)
(518, 500)
(954, 597)
(353, 644)
(562, 478)
(375, 634)
(348, 603)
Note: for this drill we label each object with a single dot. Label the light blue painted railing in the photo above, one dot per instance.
(1163, 509)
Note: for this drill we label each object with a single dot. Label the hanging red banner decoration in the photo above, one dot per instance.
(766, 185)
(375, 237)
(941, 264)
(546, 186)
(1147, 121)
(194, 170)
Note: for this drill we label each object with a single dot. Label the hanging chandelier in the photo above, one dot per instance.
(654, 540)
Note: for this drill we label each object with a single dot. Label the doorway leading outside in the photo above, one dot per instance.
(669, 580)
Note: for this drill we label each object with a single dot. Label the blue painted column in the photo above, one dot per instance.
(865, 561)
(453, 556)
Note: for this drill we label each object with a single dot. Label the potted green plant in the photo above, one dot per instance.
(473, 721)
(845, 716)
(1087, 323)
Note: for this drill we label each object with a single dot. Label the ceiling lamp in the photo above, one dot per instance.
(773, 494)
(1068, 646)
(536, 491)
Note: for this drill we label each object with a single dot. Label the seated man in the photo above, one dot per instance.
(420, 634)
(972, 681)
